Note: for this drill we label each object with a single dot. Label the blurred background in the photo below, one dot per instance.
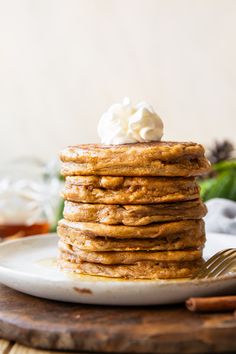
(64, 62)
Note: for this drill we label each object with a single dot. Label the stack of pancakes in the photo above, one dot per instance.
(132, 211)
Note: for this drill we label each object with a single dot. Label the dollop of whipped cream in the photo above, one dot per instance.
(124, 123)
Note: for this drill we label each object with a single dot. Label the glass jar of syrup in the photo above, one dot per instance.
(29, 197)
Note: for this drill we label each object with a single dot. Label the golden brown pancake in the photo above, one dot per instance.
(140, 159)
(139, 270)
(165, 243)
(128, 257)
(183, 227)
(129, 190)
(134, 215)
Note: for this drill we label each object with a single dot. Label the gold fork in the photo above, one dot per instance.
(219, 264)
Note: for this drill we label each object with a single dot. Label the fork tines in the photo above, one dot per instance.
(221, 263)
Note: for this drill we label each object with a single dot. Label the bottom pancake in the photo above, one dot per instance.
(133, 265)
(139, 270)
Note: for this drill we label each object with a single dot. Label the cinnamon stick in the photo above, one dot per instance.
(211, 304)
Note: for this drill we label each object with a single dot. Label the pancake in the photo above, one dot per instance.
(128, 257)
(183, 227)
(134, 215)
(139, 270)
(129, 190)
(140, 159)
(165, 243)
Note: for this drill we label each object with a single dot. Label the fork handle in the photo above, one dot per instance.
(211, 304)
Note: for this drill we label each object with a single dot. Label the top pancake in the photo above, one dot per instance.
(140, 159)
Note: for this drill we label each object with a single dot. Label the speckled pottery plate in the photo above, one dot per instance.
(29, 265)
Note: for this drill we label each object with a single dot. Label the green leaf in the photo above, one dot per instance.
(205, 186)
(223, 186)
(59, 215)
(224, 165)
(232, 193)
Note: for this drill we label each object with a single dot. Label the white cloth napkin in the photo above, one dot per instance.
(221, 216)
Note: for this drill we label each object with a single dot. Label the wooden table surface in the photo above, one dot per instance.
(7, 347)
(56, 325)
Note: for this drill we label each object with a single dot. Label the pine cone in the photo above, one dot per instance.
(221, 151)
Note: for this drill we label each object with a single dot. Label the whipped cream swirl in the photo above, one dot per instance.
(124, 123)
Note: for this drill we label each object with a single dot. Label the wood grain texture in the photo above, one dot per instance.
(158, 329)
(21, 349)
(5, 346)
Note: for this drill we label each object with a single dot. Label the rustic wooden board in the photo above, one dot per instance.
(157, 329)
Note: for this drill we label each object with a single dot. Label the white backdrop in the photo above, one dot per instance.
(63, 62)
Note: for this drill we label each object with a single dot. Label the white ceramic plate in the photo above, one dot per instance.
(29, 265)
